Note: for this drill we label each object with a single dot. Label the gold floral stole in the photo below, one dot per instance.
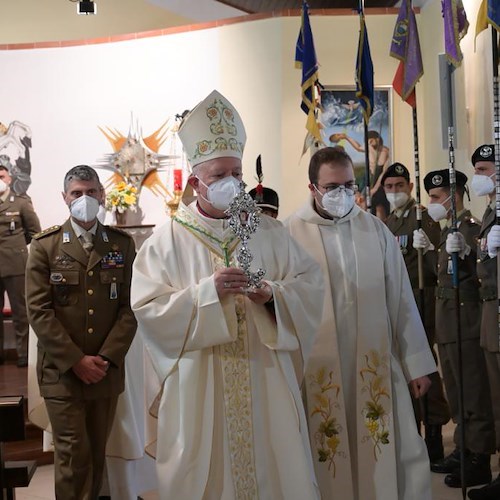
(235, 365)
(372, 463)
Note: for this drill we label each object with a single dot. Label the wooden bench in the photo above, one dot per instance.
(14, 474)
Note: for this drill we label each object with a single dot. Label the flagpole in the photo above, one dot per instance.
(420, 252)
(496, 121)
(456, 282)
(368, 198)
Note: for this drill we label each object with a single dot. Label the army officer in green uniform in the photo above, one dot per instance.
(478, 415)
(18, 224)
(432, 410)
(78, 288)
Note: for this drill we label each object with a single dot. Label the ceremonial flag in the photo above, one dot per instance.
(406, 47)
(305, 58)
(455, 28)
(487, 13)
(364, 69)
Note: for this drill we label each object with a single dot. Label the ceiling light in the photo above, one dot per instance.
(86, 7)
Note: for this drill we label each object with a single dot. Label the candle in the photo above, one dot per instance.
(177, 179)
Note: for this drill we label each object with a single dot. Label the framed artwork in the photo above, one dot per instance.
(342, 121)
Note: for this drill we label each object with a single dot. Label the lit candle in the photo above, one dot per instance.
(177, 179)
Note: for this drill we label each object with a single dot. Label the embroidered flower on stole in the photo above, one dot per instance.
(327, 435)
(375, 412)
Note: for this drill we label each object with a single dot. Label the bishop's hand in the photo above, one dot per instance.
(230, 281)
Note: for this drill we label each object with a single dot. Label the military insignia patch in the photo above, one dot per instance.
(437, 180)
(399, 169)
(56, 277)
(64, 261)
(485, 151)
(113, 260)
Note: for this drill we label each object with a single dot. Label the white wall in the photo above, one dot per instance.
(64, 94)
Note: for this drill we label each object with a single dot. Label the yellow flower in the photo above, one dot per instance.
(121, 197)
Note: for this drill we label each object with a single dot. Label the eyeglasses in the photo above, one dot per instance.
(350, 187)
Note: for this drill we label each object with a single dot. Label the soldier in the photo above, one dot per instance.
(432, 410)
(18, 223)
(483, 184)
(478, 416)
(265, 198)
(78, 297)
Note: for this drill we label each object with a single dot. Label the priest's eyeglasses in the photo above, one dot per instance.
(349, 187)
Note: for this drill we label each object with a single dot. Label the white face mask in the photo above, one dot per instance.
(338, 202)
(397, 200)
(101, 214)
(437, 211)
(3, 186)
(85, 208)
(482, 184)
(221, 193)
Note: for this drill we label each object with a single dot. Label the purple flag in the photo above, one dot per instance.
(406, 47)
(455, 28)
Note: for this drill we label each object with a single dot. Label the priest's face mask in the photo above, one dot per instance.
(216, 182)
(334, 191)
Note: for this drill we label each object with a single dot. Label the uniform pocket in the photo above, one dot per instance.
(65, 286)
(111, 276)
(47, 373)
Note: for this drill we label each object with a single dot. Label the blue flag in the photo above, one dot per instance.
(364, 69)
(305, 58)
(494, 13)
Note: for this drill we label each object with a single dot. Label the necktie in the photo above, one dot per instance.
(87, 242)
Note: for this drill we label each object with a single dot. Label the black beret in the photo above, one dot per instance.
(268, 198)
(486, 152)
(396, 170)
(441, 178)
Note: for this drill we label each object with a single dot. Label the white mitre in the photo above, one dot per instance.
(213, 129)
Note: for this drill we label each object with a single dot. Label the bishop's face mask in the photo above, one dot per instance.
(338, 202)
(437, 211)
(397, 200)
(221, 193)
(482, 184)
(85, 208)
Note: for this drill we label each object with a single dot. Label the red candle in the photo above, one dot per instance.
(177, 179)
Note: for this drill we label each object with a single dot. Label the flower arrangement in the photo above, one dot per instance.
(122, 197)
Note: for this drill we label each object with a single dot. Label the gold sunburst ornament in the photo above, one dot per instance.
(136, 159)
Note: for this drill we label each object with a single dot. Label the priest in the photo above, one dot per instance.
(371, 345)
(227, 357)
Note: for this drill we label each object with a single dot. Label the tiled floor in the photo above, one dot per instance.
(42, 484)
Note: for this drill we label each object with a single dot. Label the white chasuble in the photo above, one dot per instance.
(371, 343)
(231, 424)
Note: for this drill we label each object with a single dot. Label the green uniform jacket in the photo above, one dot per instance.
(79, 304)
(403, 227)
(470, 303)
(487, 274)
(18, 224)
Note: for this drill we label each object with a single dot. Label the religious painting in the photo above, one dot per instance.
(343, 125)
(15, 145)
